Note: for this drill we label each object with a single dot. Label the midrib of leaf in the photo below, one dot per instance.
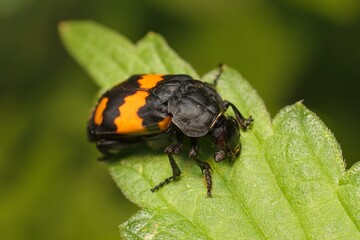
(351, 179)
(164, 198)
(171, 207)
(255, 112)
(303, 216)
(246, 211)
(261, 134)
(280, 185)
(260, 140)
(320, 163)
(285, 197)
(307, 140)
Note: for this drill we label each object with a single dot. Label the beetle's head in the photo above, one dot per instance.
(226, 138)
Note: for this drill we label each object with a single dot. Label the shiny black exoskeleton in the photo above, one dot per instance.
(175, 106)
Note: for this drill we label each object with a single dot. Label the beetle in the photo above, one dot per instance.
(154, 107)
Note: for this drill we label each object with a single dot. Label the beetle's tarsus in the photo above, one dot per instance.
(208, 180)
(163, 183)
(244, 122)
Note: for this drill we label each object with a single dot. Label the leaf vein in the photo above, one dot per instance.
(147, 179)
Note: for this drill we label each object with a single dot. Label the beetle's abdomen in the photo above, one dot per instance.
(130, 108)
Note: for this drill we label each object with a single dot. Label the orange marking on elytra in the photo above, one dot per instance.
(129, 121)
(98, 116)
(165, 123)
(150, 80)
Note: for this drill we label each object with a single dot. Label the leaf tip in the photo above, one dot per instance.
(63, 26)
(300, 102)
(154, 36)
(151, 34)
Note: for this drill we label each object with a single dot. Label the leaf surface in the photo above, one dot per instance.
(288, 183)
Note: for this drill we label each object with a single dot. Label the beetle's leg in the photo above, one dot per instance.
(204, 166)
(106, 147)
(244, 122)
(111, 148)
(173, 148)
(176, 173)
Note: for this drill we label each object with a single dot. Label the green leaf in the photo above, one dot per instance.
(107, 56)
(288, 183)
(159, 224)
(307, 162)
(160, 58)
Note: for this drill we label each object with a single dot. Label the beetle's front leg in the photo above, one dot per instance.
(244, 122)
(204, 166)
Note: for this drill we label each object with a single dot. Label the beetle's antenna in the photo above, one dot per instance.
(221, 69)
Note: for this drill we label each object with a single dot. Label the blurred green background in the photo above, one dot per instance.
(52, 187)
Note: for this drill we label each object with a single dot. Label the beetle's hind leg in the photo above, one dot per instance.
(173, 148)
(204, 166)
(111, 148)
(107, 147)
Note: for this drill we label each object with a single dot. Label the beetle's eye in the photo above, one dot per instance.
(219, 156)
